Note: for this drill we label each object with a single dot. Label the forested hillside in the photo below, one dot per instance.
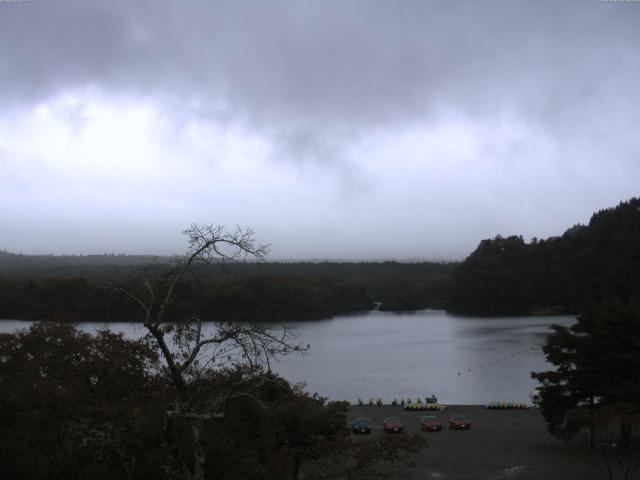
(587, 263)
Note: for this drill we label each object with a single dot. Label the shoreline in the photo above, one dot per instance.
(328, 315)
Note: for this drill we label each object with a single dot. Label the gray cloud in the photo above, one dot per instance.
(321, 64)
(335, 85)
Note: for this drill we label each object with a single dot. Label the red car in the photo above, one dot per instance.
(459, 422)
(430, 423)
(393, 425)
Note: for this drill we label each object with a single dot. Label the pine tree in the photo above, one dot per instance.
(597, 364)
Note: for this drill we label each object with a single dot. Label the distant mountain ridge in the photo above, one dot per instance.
(587, 263)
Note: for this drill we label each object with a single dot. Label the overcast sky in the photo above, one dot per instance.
(336, 129)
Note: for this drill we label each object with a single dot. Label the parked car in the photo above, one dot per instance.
(430, 423)
(361, 425)
(460, 422)
(393, 425)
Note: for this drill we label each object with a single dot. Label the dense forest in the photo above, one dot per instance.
(72, 287)
(504, 275)
(587, 263)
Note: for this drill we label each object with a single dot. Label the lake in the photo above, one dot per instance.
(460, 359)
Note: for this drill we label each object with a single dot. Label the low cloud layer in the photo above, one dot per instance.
(336, 129)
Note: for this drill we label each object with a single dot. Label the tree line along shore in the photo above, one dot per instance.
(506, 275)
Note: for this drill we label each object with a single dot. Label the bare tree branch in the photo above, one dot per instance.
(189, 354)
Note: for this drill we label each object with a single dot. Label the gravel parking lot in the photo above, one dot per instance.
(502, 444)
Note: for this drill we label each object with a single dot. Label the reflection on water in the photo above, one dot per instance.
(465, 360)
(462, 360)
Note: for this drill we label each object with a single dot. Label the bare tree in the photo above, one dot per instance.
(191, 351)
(615, 462)
(616, 455)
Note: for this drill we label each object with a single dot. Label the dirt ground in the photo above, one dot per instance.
(502, 444)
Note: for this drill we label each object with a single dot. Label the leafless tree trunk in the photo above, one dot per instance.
(616, 459)
(187, 352)
(615, 462)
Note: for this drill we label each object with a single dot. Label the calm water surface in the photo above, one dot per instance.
(461, 360)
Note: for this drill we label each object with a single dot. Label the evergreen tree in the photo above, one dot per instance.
(597, 371)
